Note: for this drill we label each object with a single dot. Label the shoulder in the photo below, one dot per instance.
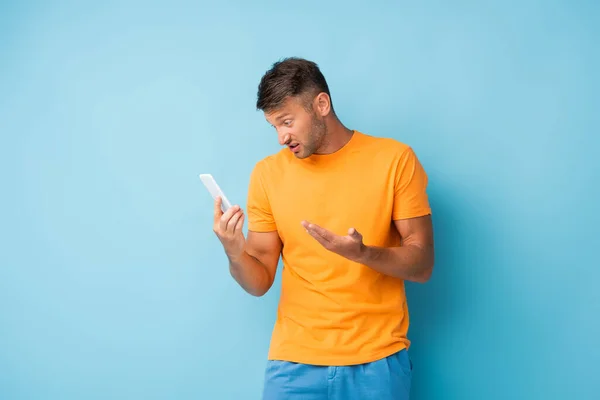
(388, 147)
(271, 165)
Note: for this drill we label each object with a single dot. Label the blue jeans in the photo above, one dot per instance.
(385, 379)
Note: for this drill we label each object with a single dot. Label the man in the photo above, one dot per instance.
(349, 214)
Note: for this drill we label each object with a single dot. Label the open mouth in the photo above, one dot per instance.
(294, 147)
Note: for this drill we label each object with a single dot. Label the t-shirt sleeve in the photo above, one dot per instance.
(260, 216)
(410, 185)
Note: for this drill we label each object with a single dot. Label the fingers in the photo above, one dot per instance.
(232, 223)
(240, 224)
(228, 220)
(314, 229)
(218, 212)
(226, 223)
(349, 246)
(321, 235)
(325, 243)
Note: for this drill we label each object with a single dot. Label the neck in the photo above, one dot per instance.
(337, 136)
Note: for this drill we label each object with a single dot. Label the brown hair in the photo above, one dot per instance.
(290, 77)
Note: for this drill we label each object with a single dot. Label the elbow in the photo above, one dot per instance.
(425, 274)
(423, 268)
(259, 290)
(255, 290)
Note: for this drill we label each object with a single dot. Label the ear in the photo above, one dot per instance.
(323, 104)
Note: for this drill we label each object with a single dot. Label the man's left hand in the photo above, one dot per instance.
(350, 246)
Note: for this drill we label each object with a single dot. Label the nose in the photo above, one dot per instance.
(284, 138)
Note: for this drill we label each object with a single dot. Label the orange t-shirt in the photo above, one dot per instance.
(333, 311)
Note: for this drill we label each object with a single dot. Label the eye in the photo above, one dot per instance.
(287, 122)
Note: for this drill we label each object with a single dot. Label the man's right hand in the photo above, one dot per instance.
(228, 228)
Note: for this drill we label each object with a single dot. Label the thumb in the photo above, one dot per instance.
(354, 234)
(217, 211)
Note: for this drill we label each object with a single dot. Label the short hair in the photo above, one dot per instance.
(290, 77)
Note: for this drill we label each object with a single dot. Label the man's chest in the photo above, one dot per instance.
(360, 199)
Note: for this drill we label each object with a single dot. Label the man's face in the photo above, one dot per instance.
(302, 131)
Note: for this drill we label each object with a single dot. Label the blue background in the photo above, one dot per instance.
(112, 283)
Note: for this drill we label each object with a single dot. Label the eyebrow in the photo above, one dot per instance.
(284, 116)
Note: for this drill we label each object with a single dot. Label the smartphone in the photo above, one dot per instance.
(214, 190)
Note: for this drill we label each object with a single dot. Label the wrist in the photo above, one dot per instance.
(235, 250)
(235, 256)
(371, 255)
(365, 255)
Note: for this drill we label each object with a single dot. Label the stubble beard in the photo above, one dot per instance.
(317, 138)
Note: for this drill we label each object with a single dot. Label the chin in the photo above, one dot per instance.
(303, 154)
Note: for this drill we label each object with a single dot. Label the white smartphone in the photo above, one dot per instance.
(215, 190)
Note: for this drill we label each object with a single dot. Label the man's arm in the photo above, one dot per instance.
(252, 261)
(254, 268)
(413, 260)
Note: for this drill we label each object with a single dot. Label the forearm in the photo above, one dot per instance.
(250, 274)
(408, 262)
